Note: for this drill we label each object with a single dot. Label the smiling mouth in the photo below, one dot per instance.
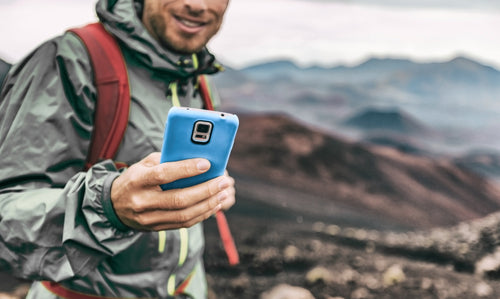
(189, 23)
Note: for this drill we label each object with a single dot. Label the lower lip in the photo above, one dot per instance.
(187, 29)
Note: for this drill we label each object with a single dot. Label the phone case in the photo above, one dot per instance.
(197, 133)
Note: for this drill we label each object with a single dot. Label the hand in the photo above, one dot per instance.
(141, 204)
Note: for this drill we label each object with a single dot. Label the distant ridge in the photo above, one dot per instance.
(391, 120)
(384, 70)
(369, 63)
(282, 64)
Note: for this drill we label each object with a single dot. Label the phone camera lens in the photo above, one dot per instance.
(203, 128)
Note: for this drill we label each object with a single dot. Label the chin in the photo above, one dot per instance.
(187, 49)
(185, 45)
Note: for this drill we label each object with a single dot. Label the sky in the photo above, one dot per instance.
(309, 32)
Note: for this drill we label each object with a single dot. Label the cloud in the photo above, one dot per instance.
(331, 32)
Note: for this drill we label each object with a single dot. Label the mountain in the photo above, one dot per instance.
(483, 162)
(229, 78)
(396, 141)
(365, 71)
(284, 163)
(272, 69)
(393, 128)
(391, 120)
(460, 81)
(457, 99)
(459, 69)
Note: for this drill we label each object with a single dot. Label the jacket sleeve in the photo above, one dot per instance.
(53, 224)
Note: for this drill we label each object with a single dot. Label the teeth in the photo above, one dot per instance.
(190, 23)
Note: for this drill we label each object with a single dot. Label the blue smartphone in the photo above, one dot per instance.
(197, 133)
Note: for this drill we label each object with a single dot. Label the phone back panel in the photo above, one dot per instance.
(179, 145)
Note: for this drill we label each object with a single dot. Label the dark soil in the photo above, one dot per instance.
(289, 248)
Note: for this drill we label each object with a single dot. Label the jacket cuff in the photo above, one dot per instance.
(107, 204)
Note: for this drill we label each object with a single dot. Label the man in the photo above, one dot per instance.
(106, 232)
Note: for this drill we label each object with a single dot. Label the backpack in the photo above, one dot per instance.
(112, 109)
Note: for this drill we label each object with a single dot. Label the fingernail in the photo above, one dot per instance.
(203, 165)
(224, 183)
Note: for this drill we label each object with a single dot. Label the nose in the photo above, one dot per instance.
(196, 6)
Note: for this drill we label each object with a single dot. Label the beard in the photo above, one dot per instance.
(182, 44)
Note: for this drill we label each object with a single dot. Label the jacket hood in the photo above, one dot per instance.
(122, 19)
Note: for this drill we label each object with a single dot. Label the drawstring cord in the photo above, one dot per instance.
(174, 94)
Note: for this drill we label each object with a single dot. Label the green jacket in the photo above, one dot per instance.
(55, 220)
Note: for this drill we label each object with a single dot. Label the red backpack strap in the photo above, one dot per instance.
(222, 225)
(205, 93)
(113, 93)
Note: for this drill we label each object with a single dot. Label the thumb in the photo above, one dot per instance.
(171, 171)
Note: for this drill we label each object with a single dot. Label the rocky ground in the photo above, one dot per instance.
(302, 258)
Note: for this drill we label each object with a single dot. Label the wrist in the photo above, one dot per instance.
(107, 203)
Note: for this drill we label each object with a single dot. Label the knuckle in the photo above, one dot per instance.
(142, 220)
(137, 205)
(184, 218)
(177, 200)
(151, 159)
(156, 175)
(134, 179)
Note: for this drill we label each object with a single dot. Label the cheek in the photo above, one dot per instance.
(158, 25)
(220, 10)
(220, 15)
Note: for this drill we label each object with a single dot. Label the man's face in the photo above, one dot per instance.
(184, 26)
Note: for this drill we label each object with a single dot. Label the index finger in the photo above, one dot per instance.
(184, 198)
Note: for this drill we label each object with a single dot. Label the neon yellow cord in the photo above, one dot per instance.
(171, 285)
(175, 96)
(195, 61)
(184, 235)
(162, 239)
